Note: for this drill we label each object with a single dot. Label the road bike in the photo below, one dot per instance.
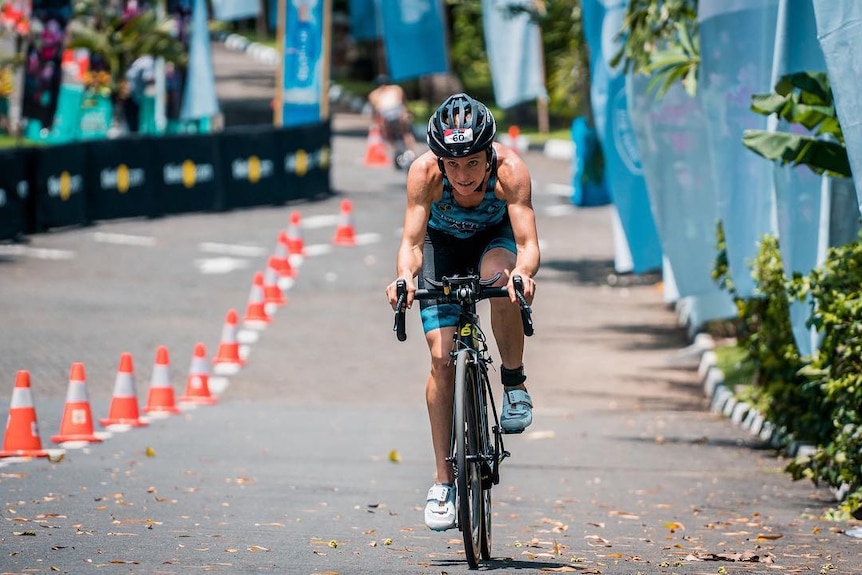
(475, 457)
(395, 132)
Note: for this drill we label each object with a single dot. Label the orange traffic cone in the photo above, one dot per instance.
(124, 403)
(344, 233)
(77, 422)
(197, 385)
(514, 134)
(227, 359)
(295, 243)
(281, 257)
(22, 430)
(255, 312)
(272, 296)
(375, 154)
(160, 398)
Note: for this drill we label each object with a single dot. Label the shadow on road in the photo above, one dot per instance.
(507, 565)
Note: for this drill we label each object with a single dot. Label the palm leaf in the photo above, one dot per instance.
(821, 156)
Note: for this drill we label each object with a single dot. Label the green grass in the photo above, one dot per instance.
(739, 373)
(7, 141)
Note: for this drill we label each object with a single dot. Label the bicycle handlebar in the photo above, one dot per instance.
(458, 291)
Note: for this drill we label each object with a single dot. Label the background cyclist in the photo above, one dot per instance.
(389, 109)
(469, 208)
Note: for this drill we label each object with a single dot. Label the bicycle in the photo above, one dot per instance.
(475, 460)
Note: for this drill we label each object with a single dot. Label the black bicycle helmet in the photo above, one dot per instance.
(461, 126)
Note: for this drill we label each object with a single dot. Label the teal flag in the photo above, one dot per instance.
(737, 39)
(199, 97)
(839, 29)
(303, 63)
(513, 43)
(414, 37)
(623, 169)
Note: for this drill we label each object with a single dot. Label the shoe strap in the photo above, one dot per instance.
(439, 492)
(517, 396)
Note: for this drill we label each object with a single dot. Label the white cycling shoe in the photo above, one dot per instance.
(517, 413)
(440, 507)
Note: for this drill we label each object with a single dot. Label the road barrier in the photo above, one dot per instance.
(76, 184)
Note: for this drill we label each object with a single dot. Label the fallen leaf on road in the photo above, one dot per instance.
(769, 536)
(257, 548)
(745, 556)
(596, 541)
(674, 526)
(394, 456)
(623, 514)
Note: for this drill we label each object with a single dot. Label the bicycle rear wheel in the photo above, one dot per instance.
(471, 512)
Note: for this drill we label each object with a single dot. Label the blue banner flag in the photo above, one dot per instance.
(513, 44)
(302, 77)
(839, 28)
(199, 98)
(230, 10)
(798, 190)
(365, 19)
(414, 38)
(623, 170)
(669, 131)
(737, 41)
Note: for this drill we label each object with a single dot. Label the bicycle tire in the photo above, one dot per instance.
(488, 466)
(469, 477)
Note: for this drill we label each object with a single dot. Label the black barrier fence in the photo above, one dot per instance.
(77, 184)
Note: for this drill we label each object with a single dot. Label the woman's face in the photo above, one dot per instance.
(467, 173)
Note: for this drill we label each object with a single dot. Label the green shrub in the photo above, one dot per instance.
(835, 371)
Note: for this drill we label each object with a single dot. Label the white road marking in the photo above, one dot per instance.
(560, 210)
(124, 239)
(232, 249)
(39, 253)
(564, 190)
(317, 249)
(319, 221)
(221, 265)
(365, 239)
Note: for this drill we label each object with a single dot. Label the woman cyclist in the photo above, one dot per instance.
(469, 208)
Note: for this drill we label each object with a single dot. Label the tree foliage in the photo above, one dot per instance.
(119, 40)
(564, 51)
(661, 39)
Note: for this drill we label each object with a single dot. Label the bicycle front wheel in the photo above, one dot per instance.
(471, 512)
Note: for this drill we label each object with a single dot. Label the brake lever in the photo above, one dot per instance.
(400, 327)
(526, 310)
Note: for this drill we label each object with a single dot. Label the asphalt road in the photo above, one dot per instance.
(316, 458)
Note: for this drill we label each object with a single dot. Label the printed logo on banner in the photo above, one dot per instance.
(122, 178)
(624, 134)
(65, 185)
(300, 162)
(188, 174)
(412, 11)
(252, 169)
(458, 135)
